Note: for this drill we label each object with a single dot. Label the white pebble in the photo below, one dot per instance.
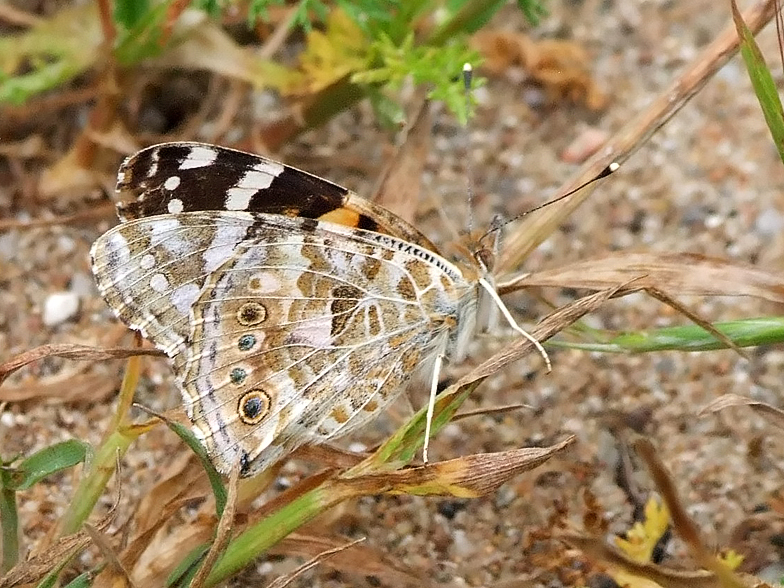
(59, 307)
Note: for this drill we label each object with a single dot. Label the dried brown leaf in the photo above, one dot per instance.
(561, 67)
(355, 565)
(598, 550)
(771, 413)
(682, 523)
(109, 554)
(466, 477)
(184, 480)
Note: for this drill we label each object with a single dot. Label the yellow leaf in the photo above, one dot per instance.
(331, 55)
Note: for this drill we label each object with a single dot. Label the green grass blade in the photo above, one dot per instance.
(744, 333)
(764, 86)
(218, 489)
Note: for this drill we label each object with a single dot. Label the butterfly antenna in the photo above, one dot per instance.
(610, 169)
(468, 75)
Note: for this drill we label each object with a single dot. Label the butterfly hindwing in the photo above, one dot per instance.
(282, 330)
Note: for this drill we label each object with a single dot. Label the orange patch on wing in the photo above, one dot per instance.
(342, 216)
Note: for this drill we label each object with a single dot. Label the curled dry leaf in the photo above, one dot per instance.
(561, 67)
(466, 477)
(684, 273)
(771, 413)
(682, 523)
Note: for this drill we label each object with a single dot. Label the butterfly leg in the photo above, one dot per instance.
(431, 403)
(512, 323)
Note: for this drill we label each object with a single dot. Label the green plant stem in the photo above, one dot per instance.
(9, 521)
(93, 485)
(272, 529)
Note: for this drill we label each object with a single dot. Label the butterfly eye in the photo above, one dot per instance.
(254, 406)
(251, 313)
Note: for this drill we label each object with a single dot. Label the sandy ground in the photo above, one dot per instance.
(708, 183)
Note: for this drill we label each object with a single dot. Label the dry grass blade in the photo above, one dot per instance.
(493, 410)
(40, 565)
(696, 319)
(684, 273)
(598, 550)
(683, 525)
(536, 228)
(352, 558)
(109, 554)
(71, 351)
(223, 532)
(284, 581)
(399, 185)
(771, 413)
(99, 211)
(549, 326)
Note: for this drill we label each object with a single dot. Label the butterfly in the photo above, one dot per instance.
(293, 310)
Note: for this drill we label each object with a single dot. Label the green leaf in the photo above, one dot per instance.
(48, 461)
(129, 12)
(9, 523)
(532, 10)
(218, 489)
(84, 580)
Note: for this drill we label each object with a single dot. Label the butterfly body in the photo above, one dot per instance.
(293, 310)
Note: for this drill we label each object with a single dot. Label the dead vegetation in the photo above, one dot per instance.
(129, 504)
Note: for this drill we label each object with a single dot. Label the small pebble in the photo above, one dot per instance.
(59, 307)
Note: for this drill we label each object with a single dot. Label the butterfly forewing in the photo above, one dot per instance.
(171, 178)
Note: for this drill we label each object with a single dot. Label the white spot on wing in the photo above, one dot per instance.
(258, 178)
(266, 283)
(119, 246)
(174, 206)
(159, 283)
(172, 183)
(183, 297)
(199, 157)
(147, 261)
